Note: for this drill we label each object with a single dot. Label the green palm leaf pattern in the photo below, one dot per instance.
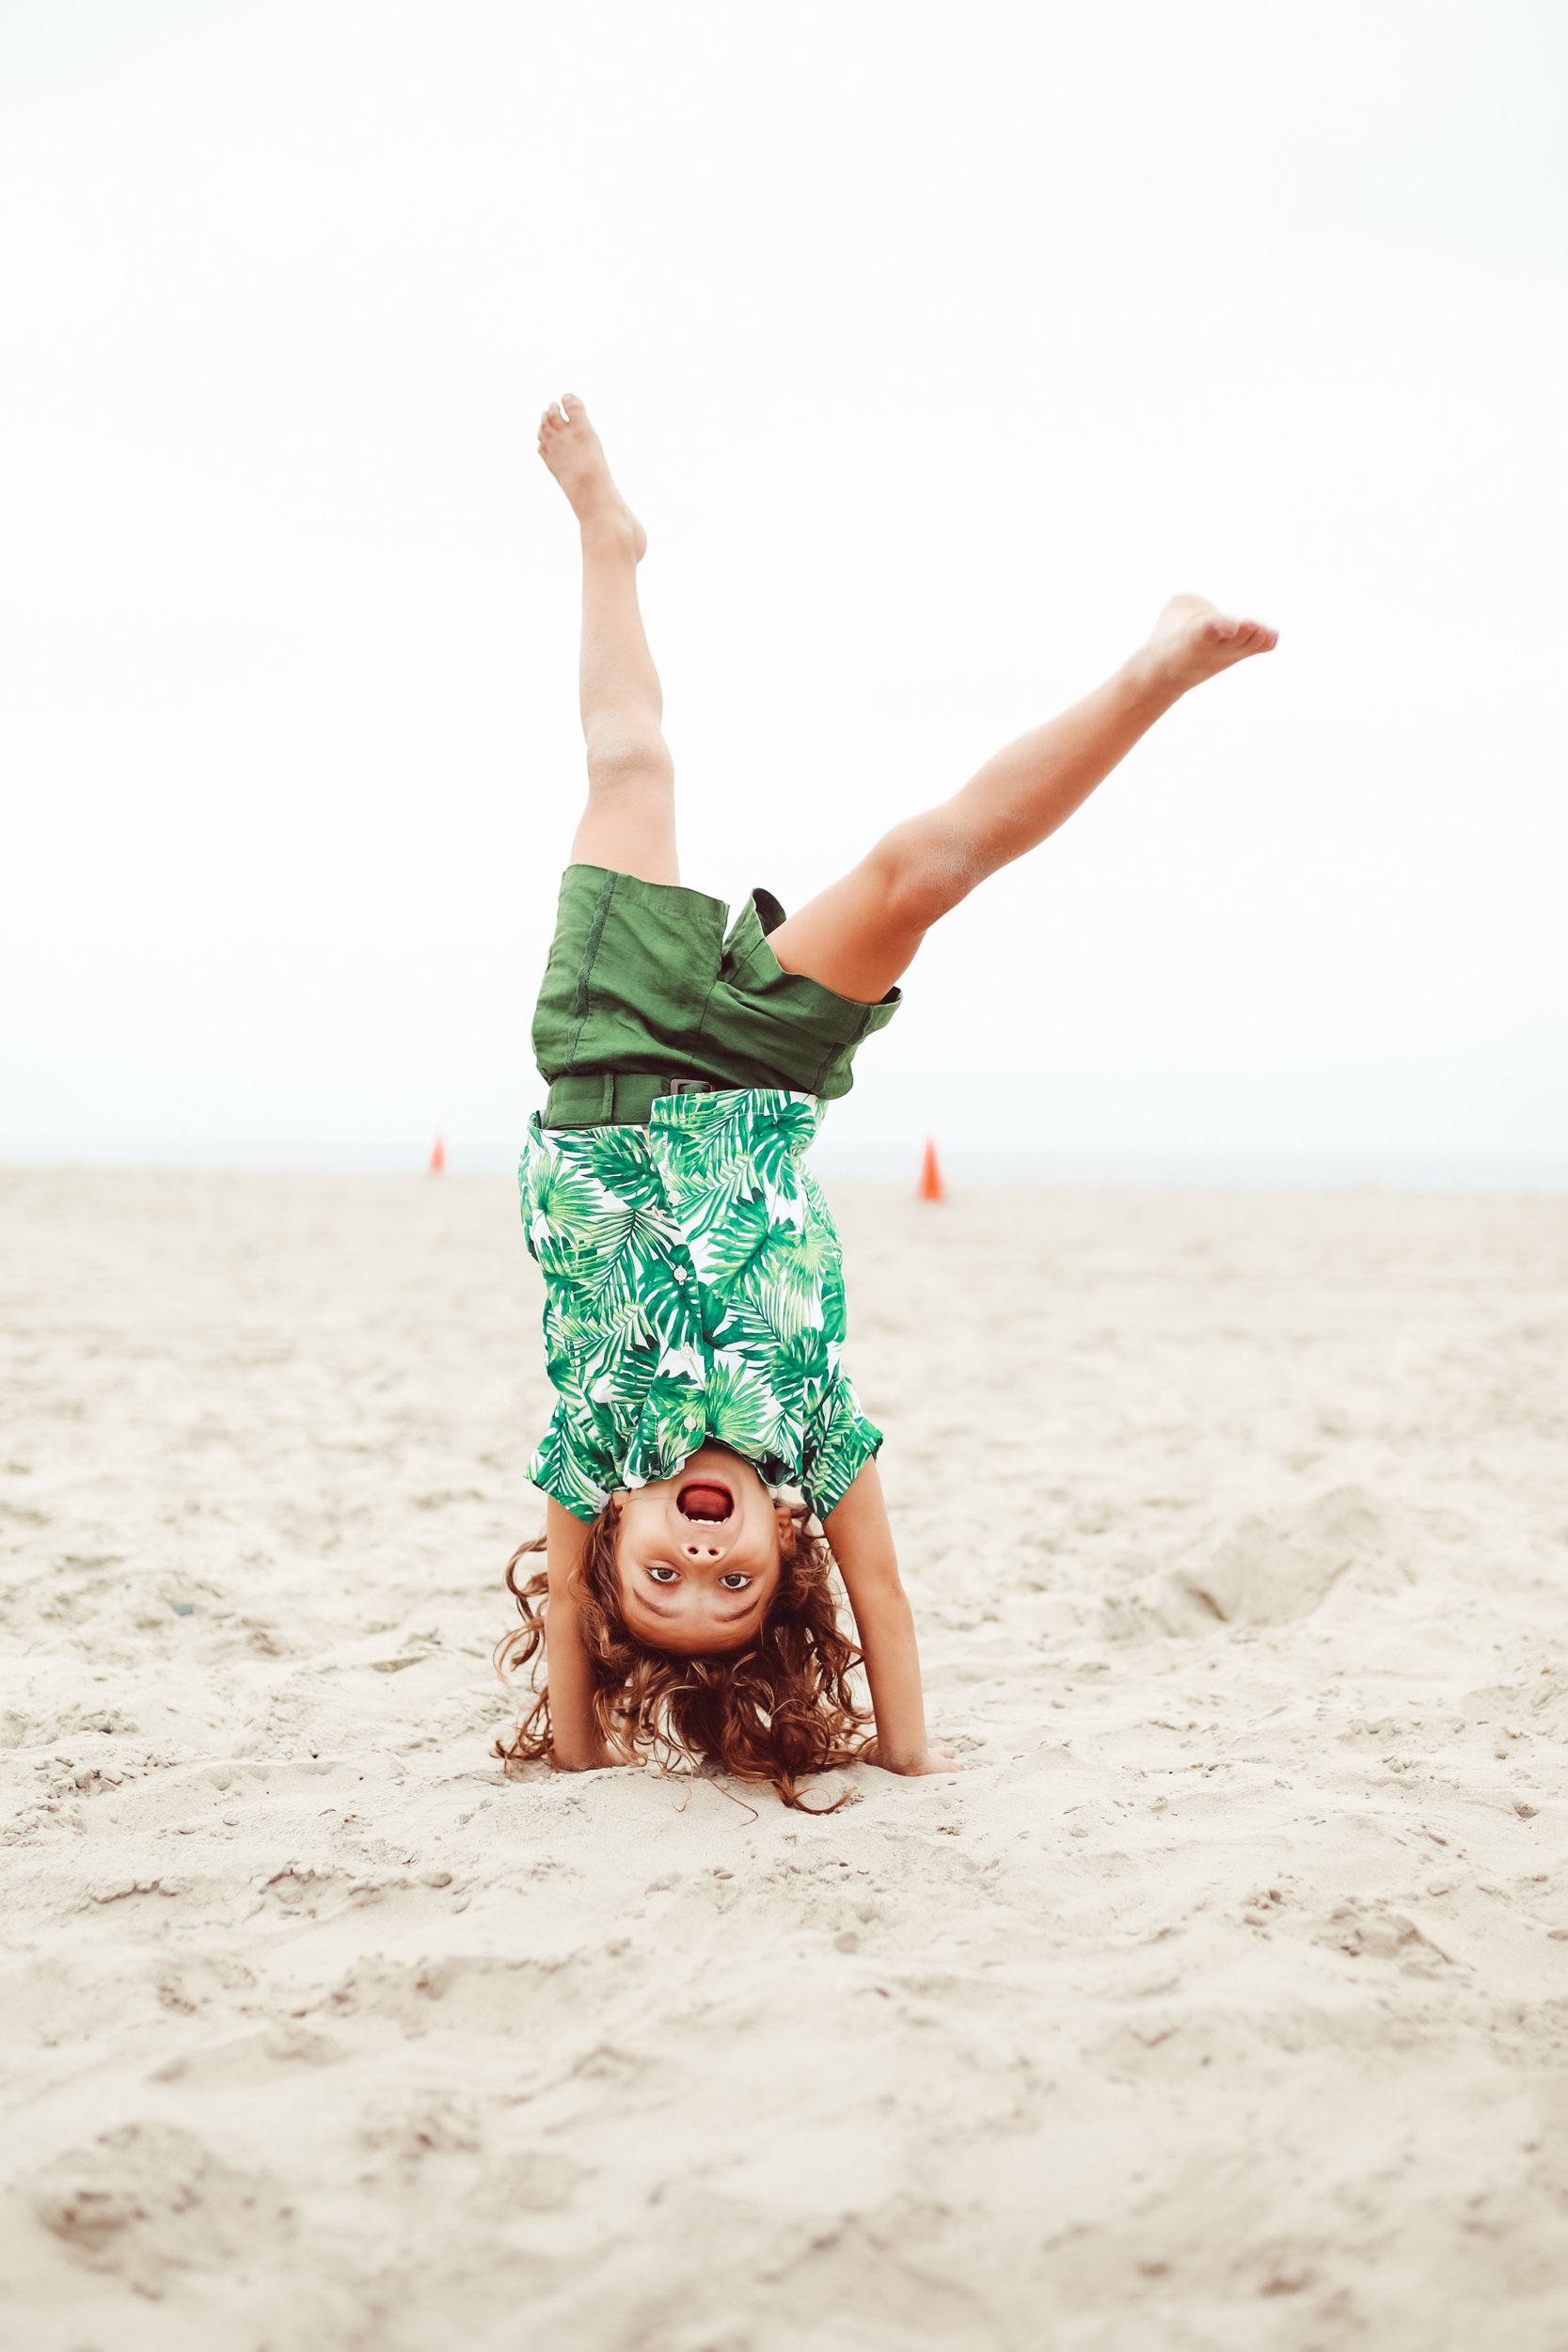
(693, 1289)
(727, 1253)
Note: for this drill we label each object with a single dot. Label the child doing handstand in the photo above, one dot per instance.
(694, 1315)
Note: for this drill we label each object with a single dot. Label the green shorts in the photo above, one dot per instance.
(647, 993)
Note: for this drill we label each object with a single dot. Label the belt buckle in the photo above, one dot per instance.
(689, 1086)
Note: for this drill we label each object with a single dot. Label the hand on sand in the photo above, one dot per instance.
(934, 1760)
(1194, 639)
(574, 453)
(607, 1757)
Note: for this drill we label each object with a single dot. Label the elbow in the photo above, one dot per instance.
(882, 1595)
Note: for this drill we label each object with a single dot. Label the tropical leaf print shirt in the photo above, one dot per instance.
(693, 1290)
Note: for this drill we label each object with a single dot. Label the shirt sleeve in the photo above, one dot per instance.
(839, 1441)
(567, 1468)
(574, 1460)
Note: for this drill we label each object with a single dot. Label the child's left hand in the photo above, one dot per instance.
(934, 1760)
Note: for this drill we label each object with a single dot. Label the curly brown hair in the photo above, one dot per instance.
(777, 1710)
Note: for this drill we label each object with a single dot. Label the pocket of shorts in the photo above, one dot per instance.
(847, 1018)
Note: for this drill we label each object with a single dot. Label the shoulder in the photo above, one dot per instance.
(571, 1466)
(839, 1441)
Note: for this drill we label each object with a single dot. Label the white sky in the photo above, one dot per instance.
(935, 347)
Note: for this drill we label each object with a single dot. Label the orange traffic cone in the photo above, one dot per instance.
(437, 1157)
(930, 1186)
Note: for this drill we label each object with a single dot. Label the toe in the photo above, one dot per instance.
(573, 406)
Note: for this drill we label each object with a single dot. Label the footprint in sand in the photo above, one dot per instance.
(1270, 1569)
(1369, 1931)
(145, 2201)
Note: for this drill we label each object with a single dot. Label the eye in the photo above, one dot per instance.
(734, 1581)
(662, 1575)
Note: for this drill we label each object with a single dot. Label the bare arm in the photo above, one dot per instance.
(862, 1539)
(574, 1735)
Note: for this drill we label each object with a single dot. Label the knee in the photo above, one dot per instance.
(622, 759)
(922, 871)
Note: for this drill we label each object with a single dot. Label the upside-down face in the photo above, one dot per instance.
(699, 1556)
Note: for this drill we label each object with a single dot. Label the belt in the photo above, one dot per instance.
(614, 1098)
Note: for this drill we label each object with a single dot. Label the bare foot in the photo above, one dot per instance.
(1194, 639)
(571, 448)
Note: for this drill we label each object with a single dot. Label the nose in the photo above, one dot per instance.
(692, 1550)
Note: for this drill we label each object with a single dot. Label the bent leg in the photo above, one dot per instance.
(629, 821)
(860, 933)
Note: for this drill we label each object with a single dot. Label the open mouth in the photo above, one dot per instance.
(705, 1501)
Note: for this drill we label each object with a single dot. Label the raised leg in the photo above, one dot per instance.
(629, 821)
(861, 932)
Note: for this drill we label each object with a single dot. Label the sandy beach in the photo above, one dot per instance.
(1220, 2004)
